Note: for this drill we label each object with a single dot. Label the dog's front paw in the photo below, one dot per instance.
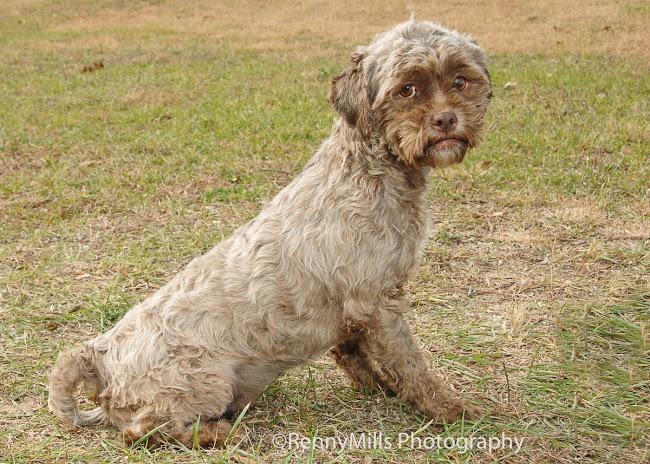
(460, 410)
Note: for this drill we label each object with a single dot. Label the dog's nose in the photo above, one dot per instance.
(445, 121)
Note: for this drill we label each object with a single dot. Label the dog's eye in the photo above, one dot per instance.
(460, 83)
(407, 91)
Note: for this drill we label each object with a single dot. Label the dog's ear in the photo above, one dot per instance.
(481, 58)
(349, 94)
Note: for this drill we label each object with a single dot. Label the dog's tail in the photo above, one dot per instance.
(71, 368)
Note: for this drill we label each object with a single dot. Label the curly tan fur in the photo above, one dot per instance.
(321, 267)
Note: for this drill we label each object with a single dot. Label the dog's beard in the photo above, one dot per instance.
(444, 152)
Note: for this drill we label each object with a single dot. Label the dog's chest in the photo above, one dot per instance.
(397, 248)
(349, 232)
(373, 245)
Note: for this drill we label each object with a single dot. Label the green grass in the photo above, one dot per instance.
(532, 298)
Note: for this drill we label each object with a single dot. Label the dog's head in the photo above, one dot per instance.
(420, 87)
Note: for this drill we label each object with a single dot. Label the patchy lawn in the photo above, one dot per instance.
(133, 138)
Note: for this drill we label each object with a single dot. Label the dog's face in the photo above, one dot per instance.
(421, 88)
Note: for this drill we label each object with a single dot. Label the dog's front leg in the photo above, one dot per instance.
(351, 357)
(389, 343)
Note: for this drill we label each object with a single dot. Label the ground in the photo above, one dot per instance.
(135, 135)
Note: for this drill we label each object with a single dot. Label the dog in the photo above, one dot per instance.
(322, 267)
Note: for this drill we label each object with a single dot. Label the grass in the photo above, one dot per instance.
(533, 297)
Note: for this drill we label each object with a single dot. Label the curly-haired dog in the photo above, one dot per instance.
(322, 267)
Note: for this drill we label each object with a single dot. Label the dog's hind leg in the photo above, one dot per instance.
(145, 422)
(203, 433)
(153, 431)
(189, 409)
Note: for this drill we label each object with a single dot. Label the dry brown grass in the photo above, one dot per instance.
(553, 26)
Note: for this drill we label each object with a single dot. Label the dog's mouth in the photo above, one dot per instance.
(448, 143)
(442, 152)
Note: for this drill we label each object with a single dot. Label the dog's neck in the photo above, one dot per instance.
(370, 158)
